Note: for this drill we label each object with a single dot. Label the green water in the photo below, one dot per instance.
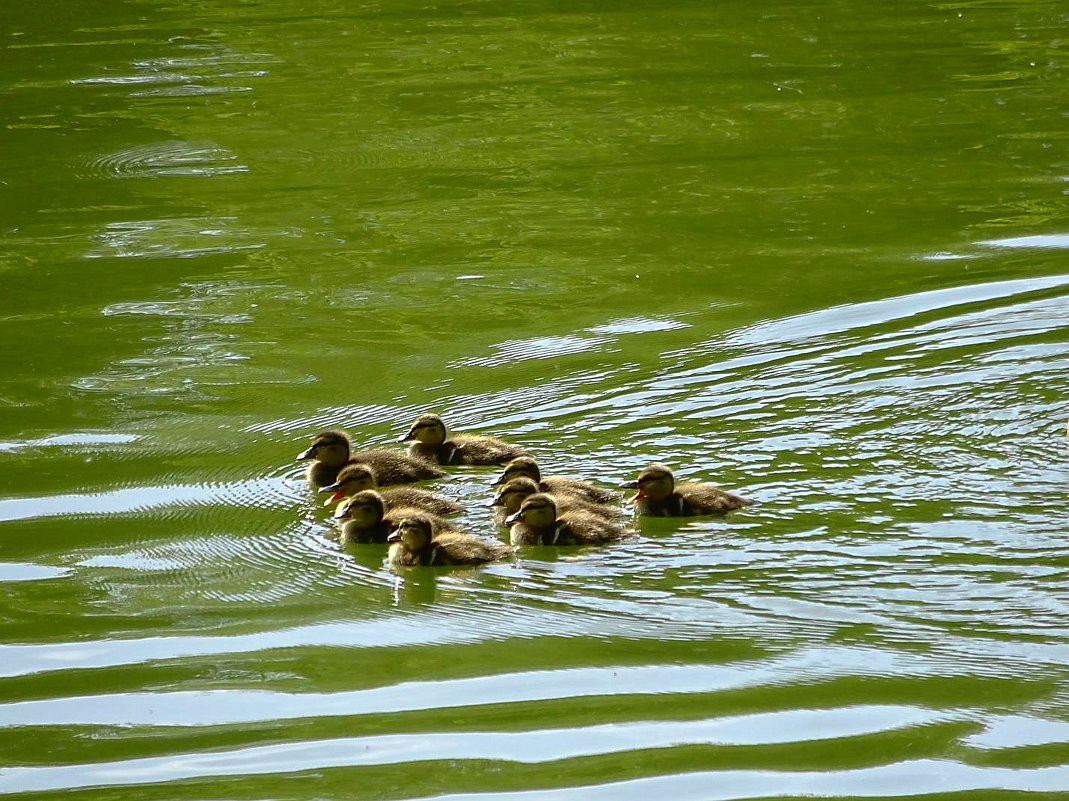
(813, 252)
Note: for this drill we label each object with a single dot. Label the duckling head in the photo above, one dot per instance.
(366, 509)
(513, 493)
(521, 466)
(537, 511)
(330, 447)
(428, 429)
(655, 482)
(412, 531)
(351, 480)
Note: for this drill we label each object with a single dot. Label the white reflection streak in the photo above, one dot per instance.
(217, 707)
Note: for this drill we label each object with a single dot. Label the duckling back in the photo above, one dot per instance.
(449, 548)
(457, 548)
(525, 466)
(570, 528)
(692, 500)
(396, 467)
(431, 442)
(421, 499)
(575, 487)
(515, 491)
(466, 449)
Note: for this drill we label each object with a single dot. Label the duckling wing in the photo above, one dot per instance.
(570, 503)
(586, 529)
(577, 488)
(706, 499)
(421, 499)
(396, 513)
(479, 450)
(396, 467)
(463, 549)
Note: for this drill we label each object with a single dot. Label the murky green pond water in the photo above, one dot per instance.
(814, 252)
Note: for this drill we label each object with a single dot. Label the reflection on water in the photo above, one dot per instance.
(864, 430)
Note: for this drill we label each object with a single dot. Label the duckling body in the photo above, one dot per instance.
(431, 442)
(416, 543)
(555, 485)
(363, 518)
(659, 496)
(512, 494)
(352, 478)
(538, 522)
(331, 450)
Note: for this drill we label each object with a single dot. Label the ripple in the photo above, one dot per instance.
(74, 439)
(202, 69)
(220, 707)
(169, 158)
(591, 339)
(905, 779)
(141, 499)
(548, 745)
(176, 237)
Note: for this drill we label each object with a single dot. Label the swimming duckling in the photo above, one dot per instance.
(512, 495)
(431, 444)
(538, 523)
(556, 485)
(363, 518)
(356, 477)
(659, 496)
(416, 543)
(332, 450)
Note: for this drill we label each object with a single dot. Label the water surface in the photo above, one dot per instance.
(814, 253)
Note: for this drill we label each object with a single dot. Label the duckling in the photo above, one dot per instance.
(659, 496)
(332, 450)
(513, 493)
(356, 477)
(431, 444)
(538, 523)
(363, 518)
(555, 485)
(415, 542)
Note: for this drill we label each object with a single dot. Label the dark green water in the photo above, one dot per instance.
(816, 252)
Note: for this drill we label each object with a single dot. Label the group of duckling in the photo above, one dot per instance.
(375, 502)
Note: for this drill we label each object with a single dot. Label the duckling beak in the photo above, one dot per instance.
(514, 518)
(337, 496)
(341, 513)
(497, 501)
(410, 435)
(308, 454)
(633, 485)
(395, 536)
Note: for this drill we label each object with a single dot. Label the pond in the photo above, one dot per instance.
(814, 253)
